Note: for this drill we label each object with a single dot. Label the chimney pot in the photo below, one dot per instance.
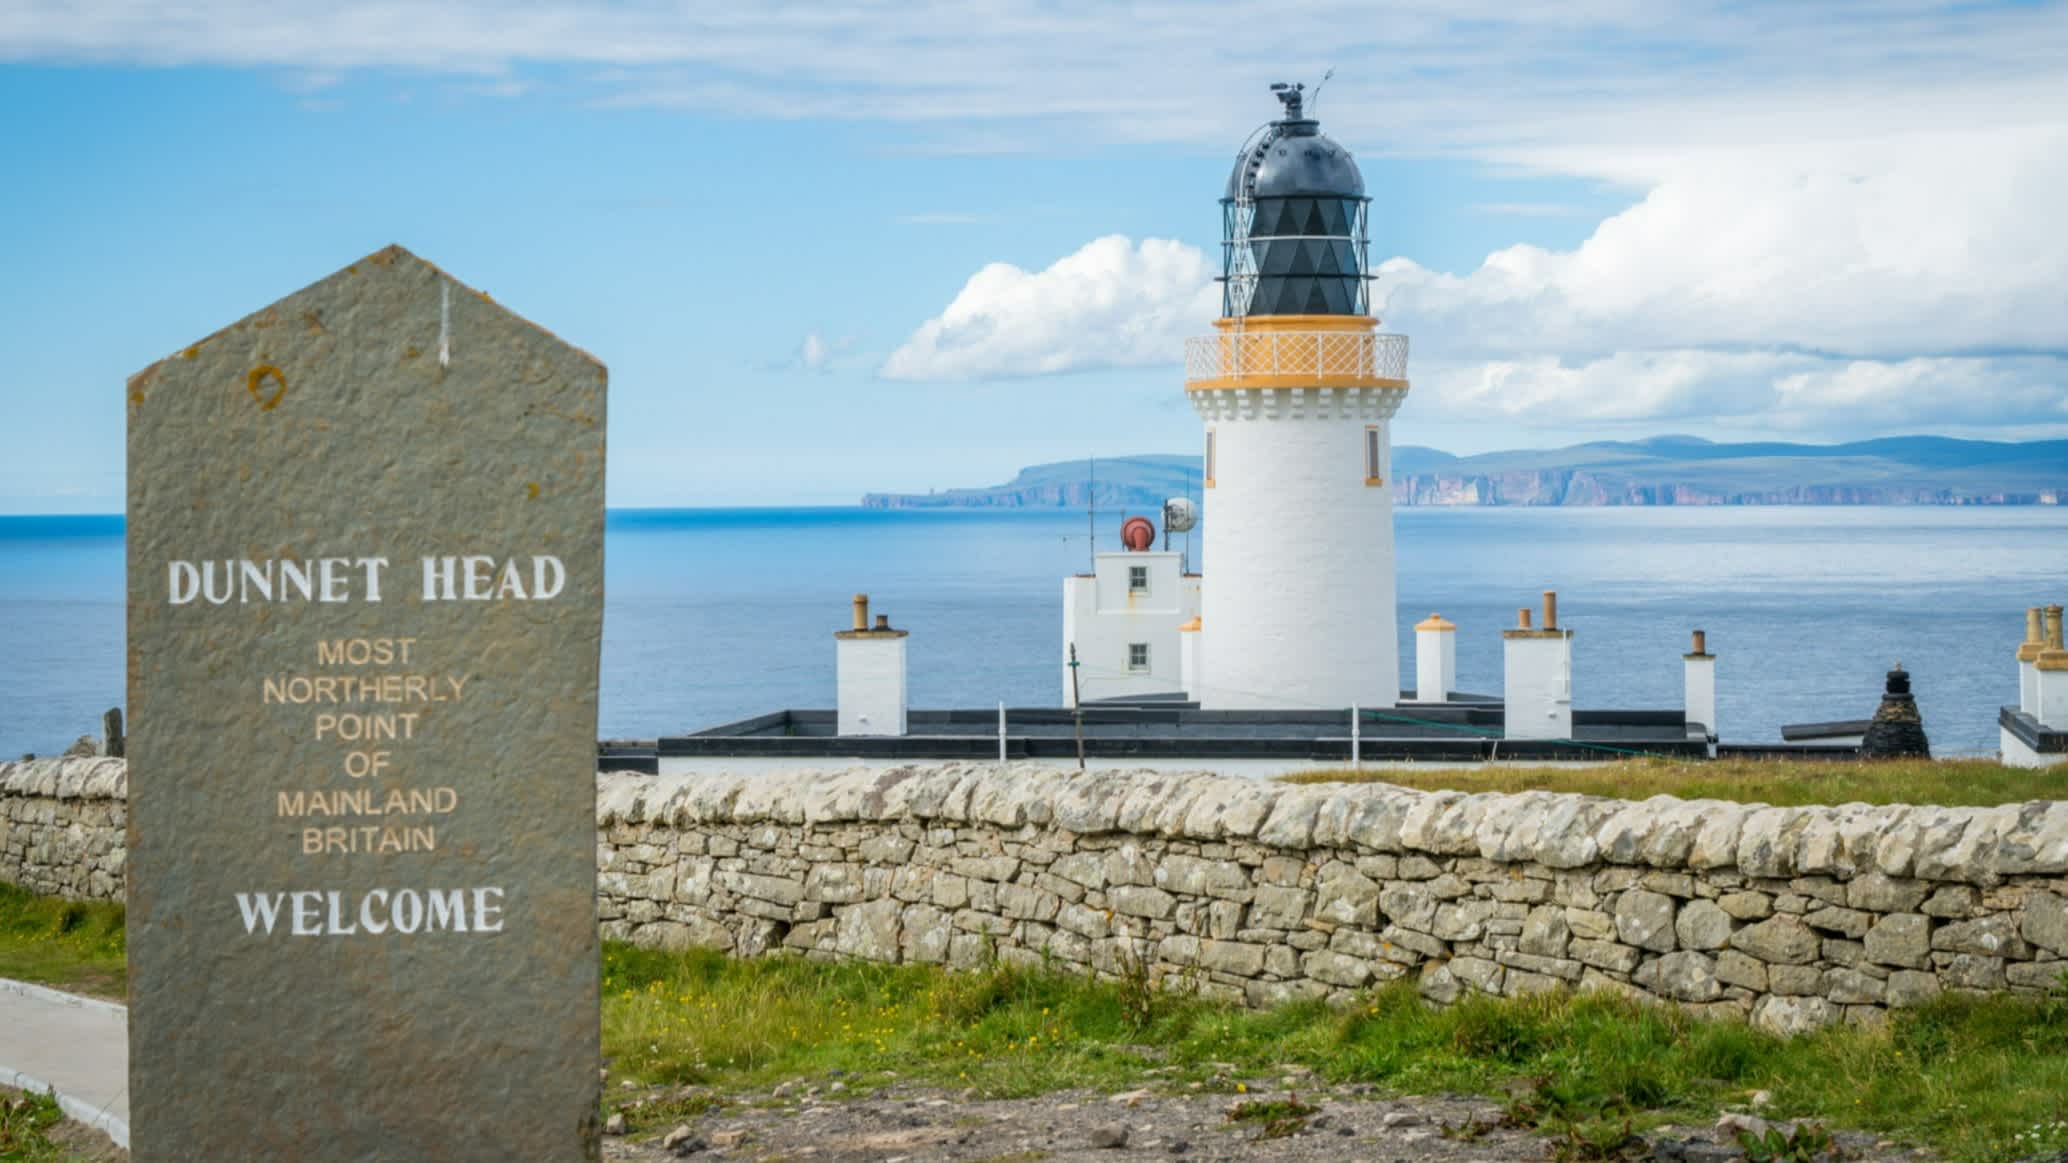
(1550, 609)
(1523, 613)
(861, 611)
(1701, 642)
(2053, 627)
(883, 621)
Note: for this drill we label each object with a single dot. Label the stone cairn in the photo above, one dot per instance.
(1897, 731)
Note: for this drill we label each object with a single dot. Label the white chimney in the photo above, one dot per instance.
(2028, 658)
(1436, 659)
(1538, 677)
(2050, 674)
(870, 665)
(1700, 689)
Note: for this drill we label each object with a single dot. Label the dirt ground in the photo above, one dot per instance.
(1345, 1125)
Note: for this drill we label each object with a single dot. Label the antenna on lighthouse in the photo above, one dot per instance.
(1315, 100)
(1091, 510)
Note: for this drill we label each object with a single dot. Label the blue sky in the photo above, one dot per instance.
(832, 248)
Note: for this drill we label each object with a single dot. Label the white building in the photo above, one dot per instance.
(1298, 393)
(2035, 732)
(1124, 620)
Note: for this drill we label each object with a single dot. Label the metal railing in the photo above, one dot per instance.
(1239, 355)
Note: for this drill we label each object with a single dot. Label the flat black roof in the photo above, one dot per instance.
(1163, 728)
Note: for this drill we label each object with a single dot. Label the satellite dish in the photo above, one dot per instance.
(1180, 515)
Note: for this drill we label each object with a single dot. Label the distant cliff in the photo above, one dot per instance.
(1665, 470)
(1121, 482)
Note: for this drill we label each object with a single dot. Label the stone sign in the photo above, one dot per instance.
(365, 608)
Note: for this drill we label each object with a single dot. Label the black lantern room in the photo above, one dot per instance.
(1293, 223)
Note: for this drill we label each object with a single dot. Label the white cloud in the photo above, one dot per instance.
(817, 353)
(1841, 214)
(1948, 245)
(1864, 288)
(1484, 77)
(2024, 396)
(1112, 303)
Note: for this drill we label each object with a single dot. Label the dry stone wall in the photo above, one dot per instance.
(1259, 893)
(63, 826)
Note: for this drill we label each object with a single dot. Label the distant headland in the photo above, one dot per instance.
(1663, 470)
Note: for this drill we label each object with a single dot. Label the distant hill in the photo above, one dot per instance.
(1132, 482)
(1664, 470)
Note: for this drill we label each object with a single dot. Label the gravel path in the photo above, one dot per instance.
(1347, 1125)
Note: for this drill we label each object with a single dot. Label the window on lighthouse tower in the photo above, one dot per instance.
(1374, 455)
(1209, 458)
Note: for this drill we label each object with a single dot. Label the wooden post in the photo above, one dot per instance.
(1076, 706)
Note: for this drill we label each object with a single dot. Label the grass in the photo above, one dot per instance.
(26, 1121)
(1784, 783)
(1976, 1079)
(70, 945)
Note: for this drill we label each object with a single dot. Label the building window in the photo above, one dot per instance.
(1209, 458)
(1137, 656)
(1374, 455)
(1138, 579)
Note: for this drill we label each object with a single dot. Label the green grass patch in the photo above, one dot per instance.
(26, 1123)
(70, 945)
(1976, 1079)
(1784, 783)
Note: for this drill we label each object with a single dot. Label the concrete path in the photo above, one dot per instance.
(76, 1046)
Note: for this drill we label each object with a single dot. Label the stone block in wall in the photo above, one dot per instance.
(1478, 973)
(1345, 896)
(1564, 969)
(1908, 987)
(1193, 876)
(1735, 968)
(2045, 922)
(924, 933)
(1852, 987)
(1462, 920)
(1545, 932)
(1875, 892)
(1974, 971)
(1645, 919)
(869, 931)
(1606, 955)
(1702, 925)
(1141, 901)
(1991, 936)
(1850, 922)
(2040, 975)
(1746, 906)
(1683, 976)
(1778, 940)
(1792, 1016)
(1902, 939)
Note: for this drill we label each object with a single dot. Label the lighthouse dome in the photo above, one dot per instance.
(1294, 159)
(1293, 223)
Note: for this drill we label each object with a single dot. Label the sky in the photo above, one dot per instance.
(832, 248)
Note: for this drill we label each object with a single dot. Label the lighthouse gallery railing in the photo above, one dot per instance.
(1235, 355)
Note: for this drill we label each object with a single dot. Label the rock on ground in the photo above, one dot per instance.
(922, 1125)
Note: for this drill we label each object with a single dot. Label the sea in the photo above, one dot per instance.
(717, 614)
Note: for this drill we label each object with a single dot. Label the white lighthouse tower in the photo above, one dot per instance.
(1298, 390)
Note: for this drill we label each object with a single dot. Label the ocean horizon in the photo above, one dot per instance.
(716, 614)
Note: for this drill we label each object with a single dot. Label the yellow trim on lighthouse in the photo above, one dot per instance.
(1294, 351)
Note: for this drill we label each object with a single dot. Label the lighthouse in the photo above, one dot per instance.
(1297, 388)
